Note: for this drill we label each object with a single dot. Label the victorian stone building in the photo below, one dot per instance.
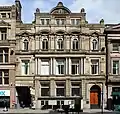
(7, 54)
(57, 58)
(112, 33)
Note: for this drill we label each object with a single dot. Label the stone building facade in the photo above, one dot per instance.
(7, 54)
(112, 33)
(59, 57)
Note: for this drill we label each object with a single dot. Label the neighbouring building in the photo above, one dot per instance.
(56, 58)
(7, 54)
(112, 32)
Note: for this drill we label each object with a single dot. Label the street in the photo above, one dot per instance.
(28, 111)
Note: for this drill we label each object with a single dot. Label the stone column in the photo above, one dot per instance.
(68, 87)
(51, 66)
(109, 59)
(37, 43)
(37, 93)
(36, 66)
(66, 65)
(69, 61)
(83, 91)
(52, 87)
(39, 66)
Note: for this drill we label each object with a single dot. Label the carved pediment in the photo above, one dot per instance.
(3, 23)
(25, 33)
(60, 9)
(95, 33)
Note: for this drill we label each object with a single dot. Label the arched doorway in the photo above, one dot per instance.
(95, 97)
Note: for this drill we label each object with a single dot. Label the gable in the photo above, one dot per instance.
(24, 33)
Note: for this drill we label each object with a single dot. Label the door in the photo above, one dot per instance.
(95, 97)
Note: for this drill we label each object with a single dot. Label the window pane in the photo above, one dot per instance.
(115, 46)
(1, 58)
(115, 67)
(6, 57)
(75, 91)
(60, 91)
(44, 91)
(73, 69)
(6, 80)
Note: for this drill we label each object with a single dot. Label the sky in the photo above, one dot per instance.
(109, 10)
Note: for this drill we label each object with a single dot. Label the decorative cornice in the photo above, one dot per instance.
(24, 33)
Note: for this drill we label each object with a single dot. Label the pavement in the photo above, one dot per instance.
(38, 111)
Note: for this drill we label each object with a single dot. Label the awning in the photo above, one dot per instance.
(116, 93)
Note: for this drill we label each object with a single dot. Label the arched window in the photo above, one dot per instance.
(60, 44)
(45, 44)
(75, 44)
(94, 44)
(26, 44)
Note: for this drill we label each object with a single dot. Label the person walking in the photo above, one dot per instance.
(5, 106)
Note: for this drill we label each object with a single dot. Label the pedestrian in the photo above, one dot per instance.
(5, 106)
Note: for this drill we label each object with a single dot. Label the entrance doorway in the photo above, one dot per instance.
(95, 97)
(24, 96)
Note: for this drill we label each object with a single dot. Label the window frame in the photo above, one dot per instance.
(116, 68)
(60, 66)
(4, 55)
(23, 67)
(25, 45)
(77, 64)
(45, 44)
(3, 77)
(96, 65)
(95, 46)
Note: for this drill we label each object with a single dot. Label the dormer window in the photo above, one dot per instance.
(94, 44)
(45, 44)
(26, 44)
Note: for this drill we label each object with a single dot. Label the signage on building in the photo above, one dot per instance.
(4, 92)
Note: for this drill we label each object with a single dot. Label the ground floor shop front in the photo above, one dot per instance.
(92, 92)
(8, 97)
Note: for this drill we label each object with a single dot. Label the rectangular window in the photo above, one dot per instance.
(4, 77)
(9, 15)
(62, 21)
(75, 88)
(3, 15)
(75, 67)
(47, 21)
(58, 21)
(44, 67)
(73, 21)
(60, 66)
(3, 34)
(115, 46)
(115, 67)
(77, 21)
(25, 67)
(60, 89)
(94, 66)
(4, 55)
(45, 91)
(42, 22)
